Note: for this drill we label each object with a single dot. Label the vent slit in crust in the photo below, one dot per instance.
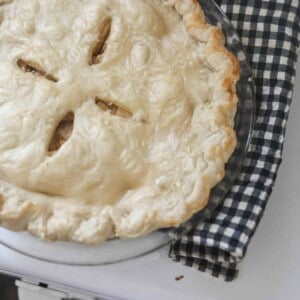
(5, 2)
(99, 47)
(62, 133)
(1, 201)
(113, 108)
(29, 67)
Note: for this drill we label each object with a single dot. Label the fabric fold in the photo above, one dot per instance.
(270, 33)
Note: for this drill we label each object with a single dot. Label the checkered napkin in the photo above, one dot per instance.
(269, 30)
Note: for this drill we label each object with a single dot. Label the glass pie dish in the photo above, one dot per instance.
(117, 250)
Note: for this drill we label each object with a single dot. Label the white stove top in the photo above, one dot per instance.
(271, 269)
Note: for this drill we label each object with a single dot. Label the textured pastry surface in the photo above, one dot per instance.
(116, 117)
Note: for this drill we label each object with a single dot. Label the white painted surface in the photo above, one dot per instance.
(271, 269)
(28, 291)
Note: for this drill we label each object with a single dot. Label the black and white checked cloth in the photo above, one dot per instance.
(270, 32)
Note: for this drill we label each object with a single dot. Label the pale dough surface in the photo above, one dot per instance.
(114, 175)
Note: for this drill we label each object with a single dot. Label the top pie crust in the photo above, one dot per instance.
(116, 117)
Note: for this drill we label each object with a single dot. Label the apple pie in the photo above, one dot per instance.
(116, 117)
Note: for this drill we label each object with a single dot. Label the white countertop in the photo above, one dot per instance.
(271, 269)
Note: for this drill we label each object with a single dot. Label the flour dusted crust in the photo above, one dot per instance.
(116, 117)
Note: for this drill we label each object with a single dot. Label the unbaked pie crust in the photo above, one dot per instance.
(116, 117)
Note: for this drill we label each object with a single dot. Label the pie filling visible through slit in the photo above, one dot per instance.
(116, 117)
